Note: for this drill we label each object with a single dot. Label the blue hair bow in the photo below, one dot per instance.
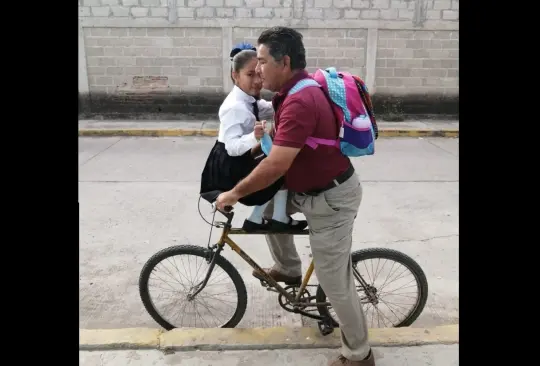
(241, 47)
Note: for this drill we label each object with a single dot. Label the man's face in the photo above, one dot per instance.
(270, 70)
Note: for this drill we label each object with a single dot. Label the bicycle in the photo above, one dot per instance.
(293, 297)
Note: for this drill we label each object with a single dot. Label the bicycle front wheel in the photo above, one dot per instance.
(392, 288)
(169, 279)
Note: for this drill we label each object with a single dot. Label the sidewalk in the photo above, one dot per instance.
(434, 355)
(433, 128)
(261, 346)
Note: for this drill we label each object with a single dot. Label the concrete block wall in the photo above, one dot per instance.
(171, 56)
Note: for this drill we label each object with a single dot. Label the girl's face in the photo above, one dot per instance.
(247, 79)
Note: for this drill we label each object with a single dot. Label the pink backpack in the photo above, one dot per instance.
(349, 97)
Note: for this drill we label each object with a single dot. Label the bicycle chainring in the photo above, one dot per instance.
(293, 291)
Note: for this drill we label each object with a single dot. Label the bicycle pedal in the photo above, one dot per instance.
(325, 329)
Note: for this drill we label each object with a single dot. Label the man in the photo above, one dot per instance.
(322, 185)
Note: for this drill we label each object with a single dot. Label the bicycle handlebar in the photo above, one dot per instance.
(227, 209)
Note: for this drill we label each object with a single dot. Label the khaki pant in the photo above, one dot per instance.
(330, 216)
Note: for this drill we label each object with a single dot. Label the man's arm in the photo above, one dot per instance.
(268, 171)
(297, 123)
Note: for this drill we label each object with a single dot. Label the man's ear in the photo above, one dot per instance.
(287, 61)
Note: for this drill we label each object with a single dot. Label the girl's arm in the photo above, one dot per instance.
(231, 121)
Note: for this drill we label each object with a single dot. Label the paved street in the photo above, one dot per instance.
(437, 355)
(139, 195)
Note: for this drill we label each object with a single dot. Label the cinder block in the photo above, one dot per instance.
(214, 3)
(332, 14)
(433, 14)
(450, 15)
(243, 13)
(205, 12)
(103, 80)
(398, 4)
(342, 4)
(321, 4)
(254, 3)
(101, 11)
(113, 51)
(282, 13)
(361, 4)
(115, 70)
(351, 14)
(314, 13)
(120, 11)
(440, 4)
(370, 14)
(159, 12)
(139, 12)
(150, 2)
(381, 4)
(225, 12)
(208, 52)
(195, 3)
(406, 14)
(272, 3)
(84, 11)
(185, 12)
(234, 3)
(389, 14)
(263, 13)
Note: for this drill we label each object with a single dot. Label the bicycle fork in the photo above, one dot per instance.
(199, 287)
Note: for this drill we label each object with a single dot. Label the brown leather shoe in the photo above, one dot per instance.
(342, 361)
(279, 277)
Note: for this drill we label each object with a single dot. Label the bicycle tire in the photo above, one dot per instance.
(195, 251)
(401, 258)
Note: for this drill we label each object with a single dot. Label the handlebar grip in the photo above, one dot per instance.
(226, 209)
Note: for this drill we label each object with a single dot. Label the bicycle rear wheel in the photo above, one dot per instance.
(383, 309)
(170, 276)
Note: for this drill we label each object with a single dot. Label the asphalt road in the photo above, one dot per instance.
(139, 195)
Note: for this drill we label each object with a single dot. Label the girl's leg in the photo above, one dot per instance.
(257, 213)
(280, 208)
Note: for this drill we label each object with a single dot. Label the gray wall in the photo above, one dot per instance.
(400, 47)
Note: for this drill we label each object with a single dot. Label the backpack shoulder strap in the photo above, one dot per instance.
(313, 142)
(304, 83)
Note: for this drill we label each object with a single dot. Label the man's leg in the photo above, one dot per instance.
(282, 248)
(331, 217)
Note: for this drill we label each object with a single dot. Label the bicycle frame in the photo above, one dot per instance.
(225, 239)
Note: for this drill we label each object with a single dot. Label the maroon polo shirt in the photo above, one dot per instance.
(298, 116)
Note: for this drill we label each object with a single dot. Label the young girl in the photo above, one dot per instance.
(237, 150)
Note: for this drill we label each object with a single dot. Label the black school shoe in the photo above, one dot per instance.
(279, 227)
(250, 226)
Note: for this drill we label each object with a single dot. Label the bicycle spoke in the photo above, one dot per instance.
(215, 303)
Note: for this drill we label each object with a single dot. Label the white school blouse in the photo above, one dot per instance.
(237, 121)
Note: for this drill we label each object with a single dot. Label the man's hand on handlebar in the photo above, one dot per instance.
(226, 199)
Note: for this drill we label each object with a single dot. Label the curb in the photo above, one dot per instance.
(217, 339)
(214, 132)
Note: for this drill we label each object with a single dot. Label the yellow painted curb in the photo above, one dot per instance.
(214, 132)
(256, 338)
(127, 338)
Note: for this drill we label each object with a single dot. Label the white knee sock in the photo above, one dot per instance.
(257, 214)
(280, 207)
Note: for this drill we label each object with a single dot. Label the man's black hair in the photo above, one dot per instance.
(284, 41)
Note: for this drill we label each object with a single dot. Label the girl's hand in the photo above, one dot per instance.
(259, 129)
